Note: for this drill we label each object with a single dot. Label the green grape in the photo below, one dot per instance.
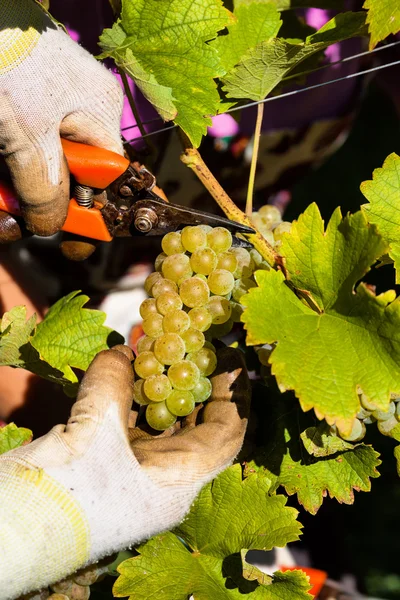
(363, 414)
(147, 364)
(206, 228)
(268, 235)
(357, 432)
(194, 292)
(157, 387)
(153, 325)
(367, 404)
(159, 261)
(385, 427)
(148, 308)
(270, 215)
(284, 227)
(172, 243)
(150, 281)
(159, 417)
(168, 302)
(384, 415)
(227, 261)
(193, 338)
(200, 318)
(241, 287)
(176, 266)
(221, 282)
(203, 261)
(245, 266)
(139, 395)
(258, 260)
(202, 390)
(194, 238)
(180, 403)
(217, 332)
(162, 286)
(219, 239)
(169, 348)
(183, 375)
(237, 311)
(176, 321)
(205, 359)
(201, 276)
(210, 346)
(219, 309)
(145, 343)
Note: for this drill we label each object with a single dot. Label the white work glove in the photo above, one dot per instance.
(95, 487)
(49, 86)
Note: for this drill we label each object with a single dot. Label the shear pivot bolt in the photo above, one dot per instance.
(145, 219)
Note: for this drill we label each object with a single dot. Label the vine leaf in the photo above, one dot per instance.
(12, 437)
(383, 19)
(397, 457)
(162, 45)
(203, 556)
(15, 331)
(256, 22)
(350, 340)
(320, 441)
(263, 67)
(291, 4)
(383, 194)
(286, 464)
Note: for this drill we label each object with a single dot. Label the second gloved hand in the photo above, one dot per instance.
(49, 86)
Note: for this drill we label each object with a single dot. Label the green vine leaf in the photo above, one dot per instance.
(397, 457)
(320, 441)
(15, 331)
(162, 45)
(383, 194)
(383, 19)
(12, 437)
(263, 67)
(293, 4)
(286, 464)
(203, 557)
(349, 340)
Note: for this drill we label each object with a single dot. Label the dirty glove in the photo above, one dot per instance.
(49, 86)
(94, 487)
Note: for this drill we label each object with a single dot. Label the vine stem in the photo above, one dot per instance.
(191, 158)
(134, 109)
(254, 158)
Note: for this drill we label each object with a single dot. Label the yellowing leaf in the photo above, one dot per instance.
(12, 437)
(383, 19)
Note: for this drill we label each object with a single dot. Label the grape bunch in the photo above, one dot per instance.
(194, 298)
(268, 221)
(386, 420)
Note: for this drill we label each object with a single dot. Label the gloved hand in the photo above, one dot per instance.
(94, 487)
(49, 86)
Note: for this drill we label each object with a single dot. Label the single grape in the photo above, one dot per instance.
(200, 318)
(172, 243)
(203, 261)
(138, 392)
(270, 215)
(146, 364)
(363, 414)
(281, 229)
(258, 260)
(210, 345)
(369, 420)
(183, 375)
(245, 266)
(168, 302)
(227, 261)
(357, 432)
(206, 228)
(219, 239)
(367, 404)
(241, 287)
(159, 261)
(159, 417)
(148, 308)
(194, 238)
(220, 309)
(217, 332)
(145, 343)
(200, 276)
(150, 281)
(180, 403)
(157, 387)
(176, 321)
(384, 415)
(385, 427)
(221, 282)
(176, 267)
(153, 325)
(193, 338)
(162, 286)
(194, 292)
(88, 576)
(169, 348)
(205, 359)
(202, 390)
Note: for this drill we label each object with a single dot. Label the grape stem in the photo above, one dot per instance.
(191, 158)
(254, 158)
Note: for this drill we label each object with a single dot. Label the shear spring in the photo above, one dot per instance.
(84, 195)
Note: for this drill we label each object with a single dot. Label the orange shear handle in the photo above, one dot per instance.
(91, 166)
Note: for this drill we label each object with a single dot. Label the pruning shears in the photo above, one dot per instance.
(115, 198)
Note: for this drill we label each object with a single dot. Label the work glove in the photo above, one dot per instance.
(49, 87)
(96, 486)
